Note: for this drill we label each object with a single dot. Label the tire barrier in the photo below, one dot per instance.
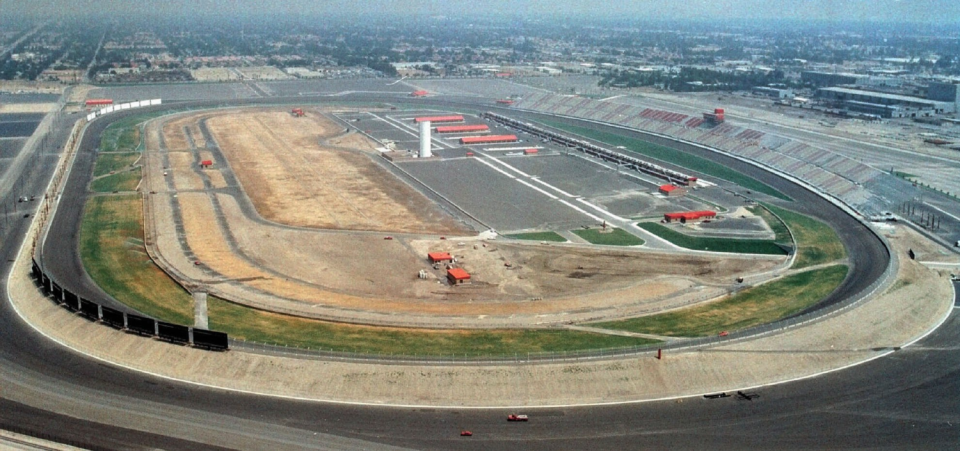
(128, 322)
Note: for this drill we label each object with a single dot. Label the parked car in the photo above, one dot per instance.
(466, 434)
(514, 417)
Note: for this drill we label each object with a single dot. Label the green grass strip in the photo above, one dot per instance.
(124, 134)
(817, 243)
(538, 236)
(111, 162)
(618, 237)
(266, 327)
(124, 181)
(740, 246)
(782, 235)
(113, 254)
(663, 153)
(111, 245)
(751, 307)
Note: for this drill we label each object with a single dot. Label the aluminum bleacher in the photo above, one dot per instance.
(832, 172)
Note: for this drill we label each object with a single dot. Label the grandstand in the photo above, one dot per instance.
(831, 172)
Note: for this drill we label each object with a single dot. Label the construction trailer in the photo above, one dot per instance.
(493, 139)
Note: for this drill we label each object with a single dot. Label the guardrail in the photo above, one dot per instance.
(128, 322)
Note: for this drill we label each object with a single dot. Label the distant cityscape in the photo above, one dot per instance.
(856, 70)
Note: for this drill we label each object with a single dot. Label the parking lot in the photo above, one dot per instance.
(555, 188)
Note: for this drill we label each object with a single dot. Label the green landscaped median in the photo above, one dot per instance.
(817, 243)
(264, 327)
(111, 245)
(713, 244)
(663, 153)
(614, 237)
(124, 134)
(538, 236)
(751, 307)
(124, 181)
(781, 234)
(112, 162)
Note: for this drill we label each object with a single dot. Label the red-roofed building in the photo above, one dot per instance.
(689, 216)
(439, 257)
(457, 276)
(438, 119)
(530, 151)
(463, 128)
(672, 190)
(488, 139)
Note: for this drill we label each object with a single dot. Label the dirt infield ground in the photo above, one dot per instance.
(306, 172)
(292, 180)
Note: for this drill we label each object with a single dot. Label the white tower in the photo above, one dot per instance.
(425, 139)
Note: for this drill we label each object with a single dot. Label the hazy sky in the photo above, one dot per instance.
(929, 11)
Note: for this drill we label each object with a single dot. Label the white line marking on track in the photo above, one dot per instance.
(509, 167)
(536, 179)
(481, 160)
(537, 189)
(601, 210)
(594, 217)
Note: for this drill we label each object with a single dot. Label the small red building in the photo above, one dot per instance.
(439, 257)
(530, 151)
(672, 190)
(689, 216)
(457, 276)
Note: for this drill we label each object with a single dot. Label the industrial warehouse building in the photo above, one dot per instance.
(817, 78)
(883, 104)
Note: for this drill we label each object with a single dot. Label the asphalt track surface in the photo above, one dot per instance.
(907, 400)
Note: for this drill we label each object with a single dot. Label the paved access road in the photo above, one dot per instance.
(902, 401)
